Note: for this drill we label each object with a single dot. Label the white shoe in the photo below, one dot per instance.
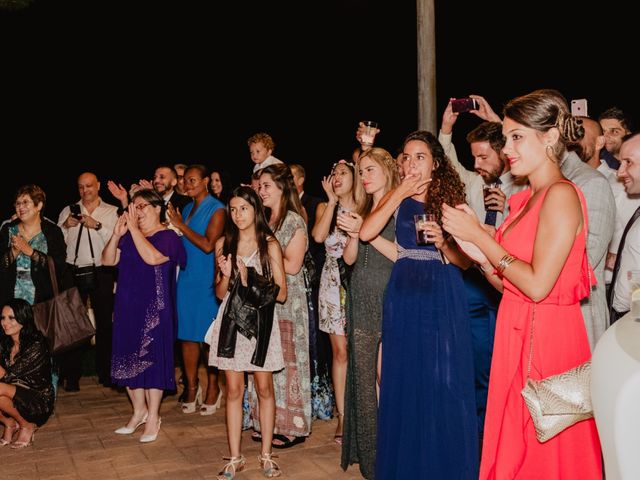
(152, 436)
(128, 431)
(190, 407)
(211, 409)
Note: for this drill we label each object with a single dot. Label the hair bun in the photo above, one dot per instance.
(570, 127)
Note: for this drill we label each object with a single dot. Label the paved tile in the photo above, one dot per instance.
(78, 443)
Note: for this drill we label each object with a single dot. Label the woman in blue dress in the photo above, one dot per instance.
(426, 421)
(201, 224)
(147, 254)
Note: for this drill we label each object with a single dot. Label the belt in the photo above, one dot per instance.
(418, 254)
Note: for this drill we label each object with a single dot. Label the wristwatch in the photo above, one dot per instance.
(98, 226)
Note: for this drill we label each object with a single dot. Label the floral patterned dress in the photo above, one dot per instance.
(331, 301)
(292, 386)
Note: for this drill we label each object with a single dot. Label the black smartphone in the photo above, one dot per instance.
(459, 105)
(74, 208)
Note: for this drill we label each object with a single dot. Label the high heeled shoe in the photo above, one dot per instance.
(129, 430)
(151, 437)
(206, 409)
(270, 469)
(235, 464)
(16, 445)
(190, 407)
(9, 430)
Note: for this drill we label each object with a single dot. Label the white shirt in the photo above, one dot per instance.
(630, 261)
(104, 213)
(270, 160)
(474, 183)
(625, 206)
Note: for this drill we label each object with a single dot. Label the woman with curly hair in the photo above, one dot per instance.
(427, 364)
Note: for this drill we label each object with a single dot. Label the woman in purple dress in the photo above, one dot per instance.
(147, 255)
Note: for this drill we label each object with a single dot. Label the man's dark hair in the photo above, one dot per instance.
(488, 132)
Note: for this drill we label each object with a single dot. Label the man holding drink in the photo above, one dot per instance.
(487, 188)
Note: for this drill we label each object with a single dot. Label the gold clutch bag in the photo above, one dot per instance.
(559, 401)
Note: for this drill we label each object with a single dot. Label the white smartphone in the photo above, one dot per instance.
(579, 107)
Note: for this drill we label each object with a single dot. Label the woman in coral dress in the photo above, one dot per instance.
(540, 261)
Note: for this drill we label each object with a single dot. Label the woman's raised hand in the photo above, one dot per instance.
(327, 185)
(434, 234)
(350, 223)
(132, 217)
(242, 270)
(413, 185)
(463, 224)
(20, 245)
(121, 225)
(173, 215)
(224, 264)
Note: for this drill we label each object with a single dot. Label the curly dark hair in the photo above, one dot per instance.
(23, 313)
(446, 185)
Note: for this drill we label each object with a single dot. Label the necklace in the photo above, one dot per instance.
(24, 233)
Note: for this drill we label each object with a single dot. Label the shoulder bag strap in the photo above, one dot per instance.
(533, 314)
(52, 275)
(93, 260)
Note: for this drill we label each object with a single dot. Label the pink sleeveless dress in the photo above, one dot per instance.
(510, 448)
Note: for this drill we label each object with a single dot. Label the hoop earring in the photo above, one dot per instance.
(551, 157)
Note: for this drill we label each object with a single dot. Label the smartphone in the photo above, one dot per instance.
(74, 208)
(579, 107)
(459, 105)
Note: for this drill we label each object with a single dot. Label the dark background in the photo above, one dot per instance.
(120, 87)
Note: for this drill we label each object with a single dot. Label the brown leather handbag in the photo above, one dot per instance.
(63, 319)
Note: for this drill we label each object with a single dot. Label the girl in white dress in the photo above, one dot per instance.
(248, 242)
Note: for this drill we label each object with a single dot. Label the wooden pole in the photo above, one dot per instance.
(427, 108)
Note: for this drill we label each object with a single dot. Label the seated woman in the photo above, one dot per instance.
(26, 391)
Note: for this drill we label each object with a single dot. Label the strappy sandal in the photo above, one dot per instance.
(235, 465)
(24, 443)
(270, 469)
(256, 436)
(9, 430)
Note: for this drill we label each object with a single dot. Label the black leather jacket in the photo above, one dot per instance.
(249, 310)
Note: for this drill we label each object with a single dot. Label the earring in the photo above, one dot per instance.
(551, 156)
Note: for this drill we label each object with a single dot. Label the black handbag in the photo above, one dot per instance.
(85, 278)
(63, 319)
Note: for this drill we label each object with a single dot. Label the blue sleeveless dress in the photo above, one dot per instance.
(427, 425)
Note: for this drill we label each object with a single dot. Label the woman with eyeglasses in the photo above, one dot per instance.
(201, 225)
(25, 244)
(147, 255)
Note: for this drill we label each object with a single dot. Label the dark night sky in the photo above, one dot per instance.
(118, 88)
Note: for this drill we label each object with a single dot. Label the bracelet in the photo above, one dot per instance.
(505, 262)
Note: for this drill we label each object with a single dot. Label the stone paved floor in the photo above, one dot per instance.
(78, 443)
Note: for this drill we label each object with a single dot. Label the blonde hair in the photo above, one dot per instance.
(364, 200)
(265, 138)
